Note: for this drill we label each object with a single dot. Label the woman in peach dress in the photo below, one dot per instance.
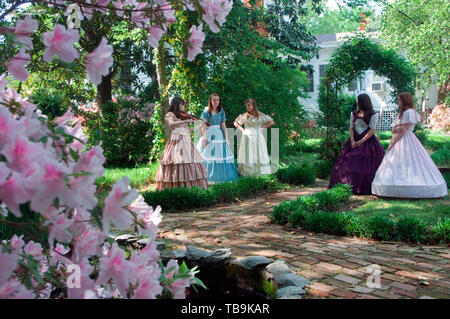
(181, 164)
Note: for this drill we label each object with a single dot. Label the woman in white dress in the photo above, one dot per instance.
(253, 158)
(407, 171)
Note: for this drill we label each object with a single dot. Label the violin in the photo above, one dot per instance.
(187, 116)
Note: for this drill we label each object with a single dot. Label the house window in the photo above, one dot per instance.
(310, 73)
(322, 70)
(352, 86)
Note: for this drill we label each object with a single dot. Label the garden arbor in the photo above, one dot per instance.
(349, 62)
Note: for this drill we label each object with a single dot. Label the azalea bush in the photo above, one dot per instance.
(44, 172)
(440, 118)
(123, 128)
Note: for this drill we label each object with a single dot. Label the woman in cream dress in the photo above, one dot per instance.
(407, 171)
(253, 158)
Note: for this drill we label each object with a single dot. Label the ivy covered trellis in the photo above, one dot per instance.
(349, 62)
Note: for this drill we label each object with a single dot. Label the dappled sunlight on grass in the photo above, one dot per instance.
(427, 209)
(140, 177)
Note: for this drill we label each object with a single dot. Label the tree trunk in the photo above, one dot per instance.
(104, 90)
(163, 83)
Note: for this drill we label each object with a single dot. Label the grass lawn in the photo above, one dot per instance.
(429, 210)
(140, 177)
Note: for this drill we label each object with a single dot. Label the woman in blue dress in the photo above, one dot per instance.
(214, 146)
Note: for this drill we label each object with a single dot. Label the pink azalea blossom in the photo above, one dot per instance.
(62, 120)
(99, 61)
(195, 42)
(85, 189)
(139, 16)
(33, 249)
(17, 243)
(23, 29)
(116, 267)
(154, 36)
(17, 65)
(91, 161)
(20, 153)
(48, 184)
(120, 197)
(169, 12)
(149, 254)
(3, 82)
(30, 124)
(189, 5)
(13, 289)
(216, 10)
(88, 287)
(60, 42)
(8, 263)
(59, 229)
(58, 253)
(148, 283)
(9, 127)
(87, 244)
(178, 287)
(13, 192)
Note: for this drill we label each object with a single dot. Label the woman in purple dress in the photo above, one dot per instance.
(362, 154)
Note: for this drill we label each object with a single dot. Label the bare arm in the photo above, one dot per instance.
(268, 124)
(399, 131)
(366, 137)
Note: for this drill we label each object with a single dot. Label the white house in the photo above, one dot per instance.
(375, 86)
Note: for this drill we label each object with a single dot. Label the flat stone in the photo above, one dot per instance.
(179, 253)
(290, 292)
(194, 253)
(253, 262)
(290, 279)
(362, 289)
(219, 255)
(278, 267)
(347, 279)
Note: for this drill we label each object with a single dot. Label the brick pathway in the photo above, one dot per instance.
(335, 265)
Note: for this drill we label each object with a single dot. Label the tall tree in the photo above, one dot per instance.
(421, 28)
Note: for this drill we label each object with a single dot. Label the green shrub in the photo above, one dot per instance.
(302, 174)
(311, 145)
(123, 127)
(385, 144)
(411, 229)
(420, 133)
(381, 227)
(332, 199)
(325, 222)
(184, 198)
(282, 211)
(51, 104)
(355, 225)
(323, 168)
(297, 217)
(441, 157)
(385, 135)
(440, 232)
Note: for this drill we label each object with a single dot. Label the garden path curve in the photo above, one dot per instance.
(336, 266)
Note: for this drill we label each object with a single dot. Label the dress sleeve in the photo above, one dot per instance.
(410, 116)
(352, 122)
(267, 118)
(373, 121)
(240, 119)
(222, 116)
(170, 119)
(205, 116)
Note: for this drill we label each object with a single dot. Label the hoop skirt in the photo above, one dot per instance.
(407, 171)
(181, 165)
(217, 156)
(358, 166)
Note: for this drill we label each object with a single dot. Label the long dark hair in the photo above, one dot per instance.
(174, 106)
(365, 105)
(407, 103)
